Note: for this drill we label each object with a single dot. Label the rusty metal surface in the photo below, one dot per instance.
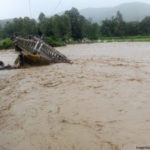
(36, 45)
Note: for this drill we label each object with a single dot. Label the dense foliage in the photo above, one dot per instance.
(52, 42)
(6, 43)
(71, 26)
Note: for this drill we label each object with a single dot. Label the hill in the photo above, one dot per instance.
(131, 12)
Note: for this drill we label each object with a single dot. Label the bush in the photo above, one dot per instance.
(6, 43)
(54, 43)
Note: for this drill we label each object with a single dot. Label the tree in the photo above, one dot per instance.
(20, 26)
(145, 26)
(73, 25)
(1, 32)
(119, 17)
(114, 26)
(94, 31)
(120, 30)
(8, 30)
(107, 28)
(65, 27)
(87, 29)
(41, 17)
(132, 28)
(76, 23)
(29, 27)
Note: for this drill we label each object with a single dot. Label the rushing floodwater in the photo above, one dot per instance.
(101, 102)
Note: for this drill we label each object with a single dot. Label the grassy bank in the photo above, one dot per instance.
(8, 43)
(125, 39)
(114, 39)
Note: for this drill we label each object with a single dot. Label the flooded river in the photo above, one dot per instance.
(101, 102)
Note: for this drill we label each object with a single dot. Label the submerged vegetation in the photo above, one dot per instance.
(71, 27)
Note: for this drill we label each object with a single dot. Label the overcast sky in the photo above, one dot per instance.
(21, 8)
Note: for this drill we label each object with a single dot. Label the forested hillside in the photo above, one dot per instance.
(71, 26)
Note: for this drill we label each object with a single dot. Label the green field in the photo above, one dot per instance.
(126, 39)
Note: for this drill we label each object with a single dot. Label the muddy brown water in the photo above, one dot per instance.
(101, 102)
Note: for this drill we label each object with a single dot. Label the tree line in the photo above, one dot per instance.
(72, 25)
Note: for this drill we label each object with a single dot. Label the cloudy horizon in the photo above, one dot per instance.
(32, 8)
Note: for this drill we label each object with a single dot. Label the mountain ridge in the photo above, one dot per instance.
(135, 11)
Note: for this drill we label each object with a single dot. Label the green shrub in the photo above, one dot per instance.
(6, 43)
(54, 43)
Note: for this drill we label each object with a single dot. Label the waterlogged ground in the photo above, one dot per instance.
(101, 102)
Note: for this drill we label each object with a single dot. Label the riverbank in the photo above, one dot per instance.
(7, 43)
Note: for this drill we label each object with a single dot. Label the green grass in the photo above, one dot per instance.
(126, 39)
(115, 39)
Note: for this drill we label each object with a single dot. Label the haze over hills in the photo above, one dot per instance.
(135, 11)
